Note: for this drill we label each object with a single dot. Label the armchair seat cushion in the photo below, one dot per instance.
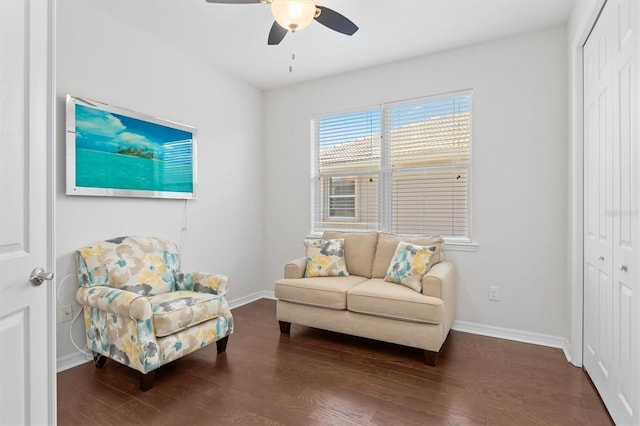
(178, 310)
(389, 300)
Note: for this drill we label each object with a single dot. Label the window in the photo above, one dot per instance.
(402, 167)
(342, 198)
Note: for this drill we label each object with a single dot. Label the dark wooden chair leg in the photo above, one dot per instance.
(431, 358)
(222, 344)
(285, 327)
(99, 359)
(146, 380)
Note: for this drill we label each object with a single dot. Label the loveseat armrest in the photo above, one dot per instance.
(295, 268)
(124, 303)
(203, 282)
(440, 281)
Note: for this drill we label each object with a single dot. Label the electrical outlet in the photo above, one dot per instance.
(67, 313)
(494, 293)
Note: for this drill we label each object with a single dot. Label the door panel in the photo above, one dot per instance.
(13, 328)
(12, 128)
(625, 157)
(605, 337)
(625, 23)
(626, 387)
(591, 321)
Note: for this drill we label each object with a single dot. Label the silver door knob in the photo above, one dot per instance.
(623, 268)
(39, 275)
(601, 258)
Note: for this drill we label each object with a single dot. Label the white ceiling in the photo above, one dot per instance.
(233, 38)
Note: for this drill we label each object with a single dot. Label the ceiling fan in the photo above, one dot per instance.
(294, 15)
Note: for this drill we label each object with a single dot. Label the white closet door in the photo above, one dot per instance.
(625, 214)
(611, 323)
(598, 135)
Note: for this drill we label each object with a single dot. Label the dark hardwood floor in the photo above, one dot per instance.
(315, 377)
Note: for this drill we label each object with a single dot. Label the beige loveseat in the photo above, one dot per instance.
(364, 304)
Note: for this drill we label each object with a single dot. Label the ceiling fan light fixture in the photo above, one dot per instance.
(293, 14)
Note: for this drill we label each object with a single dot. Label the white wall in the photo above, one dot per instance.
(100, 58)
(520, 178)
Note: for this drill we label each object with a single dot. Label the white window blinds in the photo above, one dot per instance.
(347, 161)
(428, 168)
(401, 167)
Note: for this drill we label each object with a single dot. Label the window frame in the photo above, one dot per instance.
(385, 172)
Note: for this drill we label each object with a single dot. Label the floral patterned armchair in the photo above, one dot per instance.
(141, 310)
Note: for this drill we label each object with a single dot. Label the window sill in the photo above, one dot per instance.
(449, 245)
(469, 246)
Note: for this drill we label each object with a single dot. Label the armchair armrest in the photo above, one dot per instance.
(203, 282)
(120, 302)
(119, 324)
(295, 268)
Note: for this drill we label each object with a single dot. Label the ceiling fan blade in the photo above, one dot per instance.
(233, 1)
(276, 34)
(337, 22)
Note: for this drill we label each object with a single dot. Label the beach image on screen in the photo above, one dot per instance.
(119, 152)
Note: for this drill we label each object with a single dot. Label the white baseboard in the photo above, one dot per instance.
(236, 303)
(468, 327)
(72, 360)
(516, 335)
(78, 358)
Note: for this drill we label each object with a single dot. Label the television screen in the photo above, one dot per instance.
(115, 152)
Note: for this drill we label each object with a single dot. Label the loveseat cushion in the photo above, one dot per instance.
(178, 310)
(326, 292)
(386, 247)
(325, 258)
(389, 300)
(409, 265)
(359, 249)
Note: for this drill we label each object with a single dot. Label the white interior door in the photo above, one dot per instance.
(626, 247)
(598, 135)
(612, 304)
(27, 337)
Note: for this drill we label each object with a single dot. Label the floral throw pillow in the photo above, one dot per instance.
(409, 265)
(325, 258)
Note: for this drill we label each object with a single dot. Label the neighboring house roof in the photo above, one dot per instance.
(438, 138)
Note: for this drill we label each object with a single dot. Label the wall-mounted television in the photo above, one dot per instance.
(112, 151)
